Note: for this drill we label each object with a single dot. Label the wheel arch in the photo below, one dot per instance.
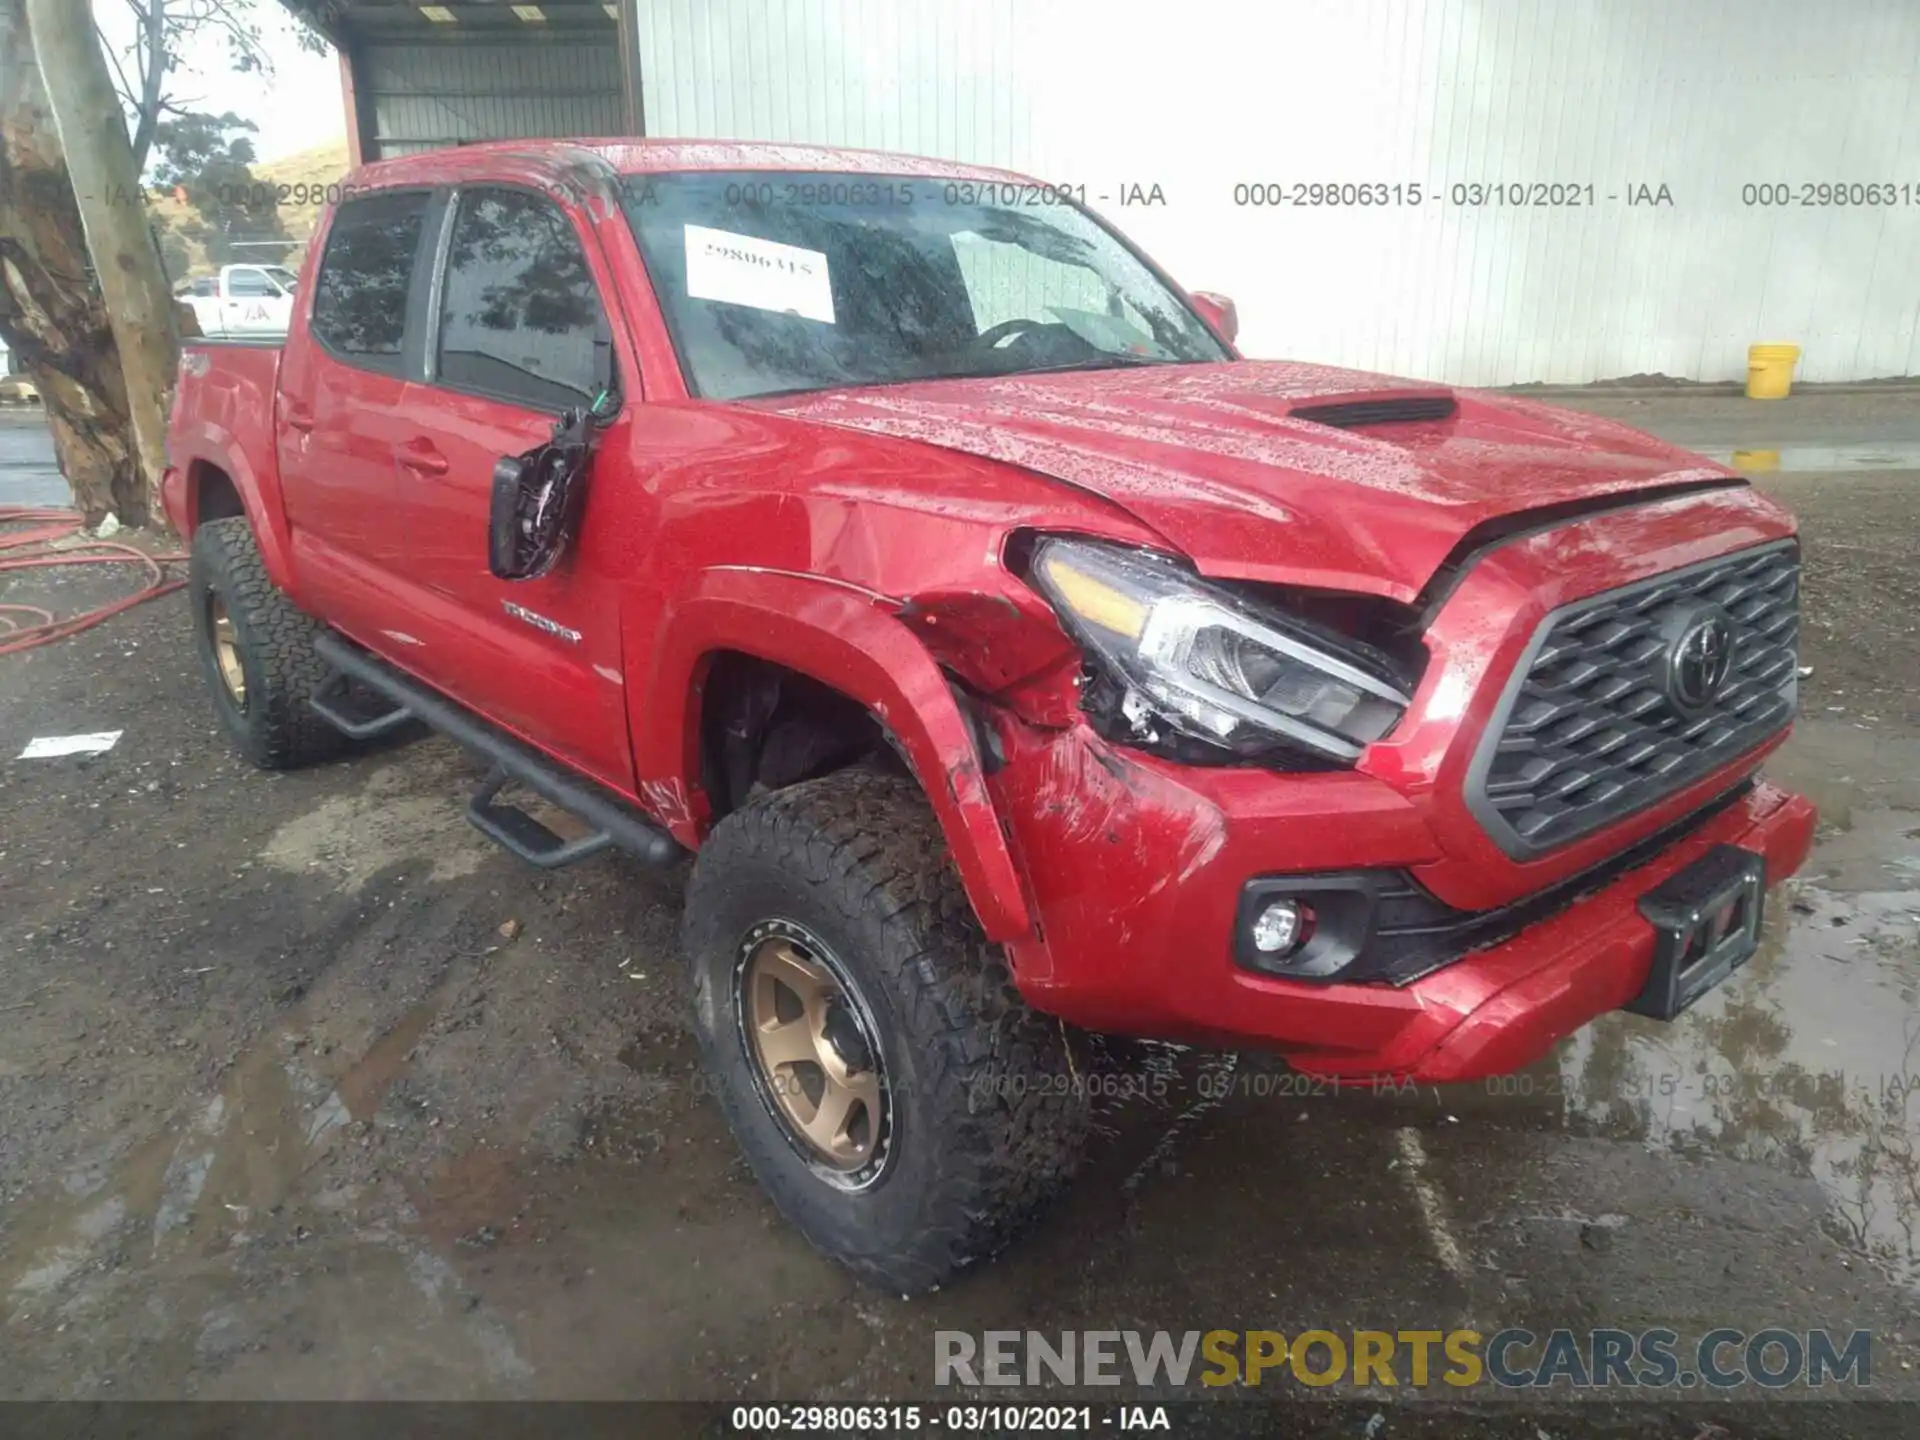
(847, 643)
(221, 482)
(211, 495)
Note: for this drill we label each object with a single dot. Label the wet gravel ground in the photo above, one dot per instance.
(307, 1092)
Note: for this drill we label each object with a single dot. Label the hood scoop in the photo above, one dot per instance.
(1397, 410)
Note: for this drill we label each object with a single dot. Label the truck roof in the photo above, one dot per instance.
(560, 160)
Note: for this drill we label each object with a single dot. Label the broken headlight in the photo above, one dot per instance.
(1197, 660)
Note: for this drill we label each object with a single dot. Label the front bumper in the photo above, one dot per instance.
(1137, 876)
(1135, 866)
(1501, 1009)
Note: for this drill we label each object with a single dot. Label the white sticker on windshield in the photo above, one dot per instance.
(765, 274)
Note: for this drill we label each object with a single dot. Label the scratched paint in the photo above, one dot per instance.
(1114, 835)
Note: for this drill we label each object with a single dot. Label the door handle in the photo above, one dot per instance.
(297, 417)
(421, 457)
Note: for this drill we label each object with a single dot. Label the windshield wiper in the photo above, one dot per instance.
(1105, 362)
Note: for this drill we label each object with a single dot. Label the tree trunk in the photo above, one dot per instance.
(51, 313)
(126, 261)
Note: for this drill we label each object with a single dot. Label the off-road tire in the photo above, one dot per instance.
(275, 728)
(985, 1125)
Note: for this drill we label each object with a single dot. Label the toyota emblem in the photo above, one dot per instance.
(1700, 658)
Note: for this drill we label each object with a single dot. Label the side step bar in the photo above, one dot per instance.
(336, 704)
(614, 821)
(525, 836)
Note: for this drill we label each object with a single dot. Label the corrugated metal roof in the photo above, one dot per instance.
(357, 21)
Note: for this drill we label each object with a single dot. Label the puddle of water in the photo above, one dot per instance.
(238, 1157)
(1761, 460)
(1808, 1059)
(361, 1089)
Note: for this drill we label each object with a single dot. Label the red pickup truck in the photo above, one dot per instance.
(1017, 660)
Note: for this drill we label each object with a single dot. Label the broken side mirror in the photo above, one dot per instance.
(1219, 312)
(537, 495)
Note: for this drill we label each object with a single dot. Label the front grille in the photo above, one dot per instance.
(1593, 728)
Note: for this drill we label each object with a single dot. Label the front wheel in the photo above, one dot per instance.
(900, 1103)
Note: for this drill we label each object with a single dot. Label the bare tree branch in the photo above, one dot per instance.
(153, 75)
(128, 97)
(165, 30)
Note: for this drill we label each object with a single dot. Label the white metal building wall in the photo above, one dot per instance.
(1703, 97)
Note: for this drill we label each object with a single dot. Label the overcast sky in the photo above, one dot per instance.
(296, 108)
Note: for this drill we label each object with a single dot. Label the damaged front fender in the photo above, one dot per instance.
(848, 640)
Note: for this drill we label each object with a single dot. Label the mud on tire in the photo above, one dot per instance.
(980, 1129)
(272, 642)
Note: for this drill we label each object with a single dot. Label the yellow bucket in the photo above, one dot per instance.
(1770, 371)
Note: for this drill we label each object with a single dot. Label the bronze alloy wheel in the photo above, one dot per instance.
(816, 1060)
(226, 651)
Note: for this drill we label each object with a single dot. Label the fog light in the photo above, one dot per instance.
(1282, 927)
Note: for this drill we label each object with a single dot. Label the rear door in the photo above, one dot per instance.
(520, 334)
(339, 423)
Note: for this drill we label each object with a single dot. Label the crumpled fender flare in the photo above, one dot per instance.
(848, 639)
(203, 442)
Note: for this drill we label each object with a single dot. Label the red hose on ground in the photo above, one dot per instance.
(32, 548)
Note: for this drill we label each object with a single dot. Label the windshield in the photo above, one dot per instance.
(282, 277)
(778, 281)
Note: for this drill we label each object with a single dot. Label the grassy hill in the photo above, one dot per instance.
(316, 169)
(306, 176)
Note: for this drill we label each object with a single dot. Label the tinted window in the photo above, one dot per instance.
(360, 294)
(519, 315)
(248, 282)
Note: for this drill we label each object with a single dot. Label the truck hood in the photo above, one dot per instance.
(1221, 461)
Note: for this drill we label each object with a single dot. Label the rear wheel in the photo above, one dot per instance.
(902, 1106)
(256, 651)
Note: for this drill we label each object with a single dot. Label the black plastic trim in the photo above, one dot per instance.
(1400, 410)
(1410, 933)
(1343, 913)
(1691, 953)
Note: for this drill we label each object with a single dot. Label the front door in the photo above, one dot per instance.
(521, 335)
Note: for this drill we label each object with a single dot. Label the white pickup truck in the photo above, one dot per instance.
(242, 300)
